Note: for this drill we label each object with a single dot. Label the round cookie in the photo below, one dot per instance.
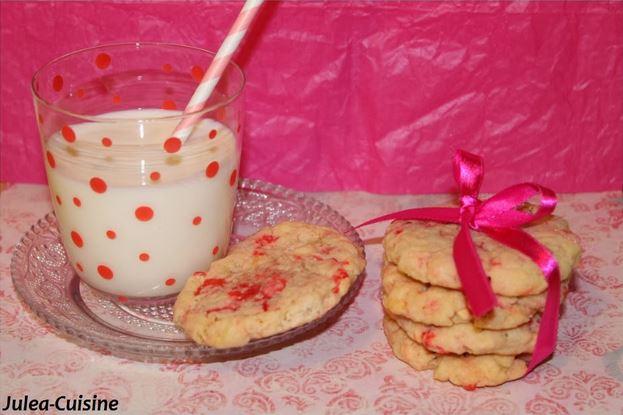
(440, 306)
(280, 278)
(405, 349)
(478, 371)
(467, 371)
(465, 338)
(423, 251)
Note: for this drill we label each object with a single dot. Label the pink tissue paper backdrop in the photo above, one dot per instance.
(370, 95)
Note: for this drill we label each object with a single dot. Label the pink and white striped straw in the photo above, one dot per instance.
(218, 65)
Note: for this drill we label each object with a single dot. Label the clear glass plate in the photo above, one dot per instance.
(46, 282)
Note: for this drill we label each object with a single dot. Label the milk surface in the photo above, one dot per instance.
(136, 220)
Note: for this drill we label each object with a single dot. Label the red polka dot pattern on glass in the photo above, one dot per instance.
(80, 93)
(102, 60)
(105, 272)
(116, 99)
(98, 185)
(169, 282)
(51, 160)
(77, 239)
(212, 169)
(68, 134)
(167, 68)
(105, 186)
(79, 266)
(58, 200)
(172, 145)
(197, 73)
(57, 83)
(233, 177)
(168, 104)
(144, 213)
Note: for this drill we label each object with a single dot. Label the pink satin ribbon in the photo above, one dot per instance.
(499, 218)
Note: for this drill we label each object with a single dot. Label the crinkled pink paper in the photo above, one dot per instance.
(373, 96)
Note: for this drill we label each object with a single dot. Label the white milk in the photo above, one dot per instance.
(113, 242)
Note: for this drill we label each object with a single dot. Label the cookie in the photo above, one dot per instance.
(467, 371)
(423, 251)
(280, 278)
(440, 306)
(478, 371)
(465, 338)
(405, 349)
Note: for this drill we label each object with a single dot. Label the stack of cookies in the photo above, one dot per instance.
(427, 321)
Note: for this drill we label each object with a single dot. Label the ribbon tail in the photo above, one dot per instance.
(437, 214)
(474, 281)
(548, 329)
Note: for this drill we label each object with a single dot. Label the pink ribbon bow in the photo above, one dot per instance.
(499, 218)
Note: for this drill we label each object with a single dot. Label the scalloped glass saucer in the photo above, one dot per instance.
(46, 282)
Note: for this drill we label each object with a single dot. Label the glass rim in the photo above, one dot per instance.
(98, 118)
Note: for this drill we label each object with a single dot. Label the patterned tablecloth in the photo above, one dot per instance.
(349, 367)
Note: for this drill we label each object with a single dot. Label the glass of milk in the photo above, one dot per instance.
(139, 211)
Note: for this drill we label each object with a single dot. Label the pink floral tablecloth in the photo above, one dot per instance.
(349, 368)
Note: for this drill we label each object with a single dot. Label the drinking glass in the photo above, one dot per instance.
(139, 210)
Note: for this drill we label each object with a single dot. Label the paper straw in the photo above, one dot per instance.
(218, 65)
